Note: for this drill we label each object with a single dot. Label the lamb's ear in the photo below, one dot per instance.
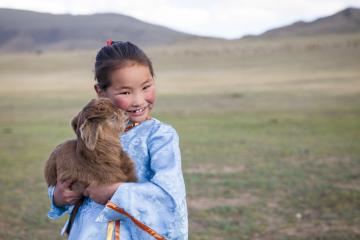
(74, 123)
(89, 132)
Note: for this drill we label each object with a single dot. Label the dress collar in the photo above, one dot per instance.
(132, 124)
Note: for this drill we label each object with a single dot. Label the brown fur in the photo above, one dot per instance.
(96, 155)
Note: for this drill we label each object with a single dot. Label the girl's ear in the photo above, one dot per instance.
(89, 133)
(74, 123)
(99, 91)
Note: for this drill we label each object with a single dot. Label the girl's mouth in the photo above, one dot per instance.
(138, 111)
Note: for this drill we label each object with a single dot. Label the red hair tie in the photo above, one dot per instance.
(109, 42)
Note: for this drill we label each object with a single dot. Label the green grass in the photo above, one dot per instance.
(270, 135)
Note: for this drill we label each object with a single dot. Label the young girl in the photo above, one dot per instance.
(155, 206)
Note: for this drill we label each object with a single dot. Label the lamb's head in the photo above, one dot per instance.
(99, 119)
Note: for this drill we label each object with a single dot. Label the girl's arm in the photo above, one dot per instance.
(159, 203)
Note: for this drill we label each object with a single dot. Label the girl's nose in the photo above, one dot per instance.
(137, 100)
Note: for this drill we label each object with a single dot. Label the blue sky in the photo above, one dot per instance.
(226, 18)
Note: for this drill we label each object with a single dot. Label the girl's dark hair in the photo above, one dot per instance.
(116, 55)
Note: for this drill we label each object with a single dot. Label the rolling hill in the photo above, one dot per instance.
(28, 31)
(342, 22)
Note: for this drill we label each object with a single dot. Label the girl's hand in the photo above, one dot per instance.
(101, 193)
(63, 195)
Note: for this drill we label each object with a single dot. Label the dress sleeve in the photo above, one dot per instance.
(159, 203)
(55, 212)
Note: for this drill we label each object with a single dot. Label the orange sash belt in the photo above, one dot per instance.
(110, 230)
(111, 224)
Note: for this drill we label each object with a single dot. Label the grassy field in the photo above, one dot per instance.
(269, 130)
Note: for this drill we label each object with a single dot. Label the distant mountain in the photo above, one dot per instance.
(345, 21)
(22, 30)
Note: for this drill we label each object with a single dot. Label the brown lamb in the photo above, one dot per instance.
(96, 155)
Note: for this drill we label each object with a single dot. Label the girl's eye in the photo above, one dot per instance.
(124, 93)
(146, 87)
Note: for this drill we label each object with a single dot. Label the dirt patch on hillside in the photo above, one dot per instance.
(208, 203)
(353, 185)
(278, 228)
(213, 169)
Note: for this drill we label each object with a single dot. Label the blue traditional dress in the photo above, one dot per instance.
(157, 200)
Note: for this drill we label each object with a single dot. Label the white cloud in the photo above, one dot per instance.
(227, 18)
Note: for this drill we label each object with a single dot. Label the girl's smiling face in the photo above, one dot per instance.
(132, 89)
